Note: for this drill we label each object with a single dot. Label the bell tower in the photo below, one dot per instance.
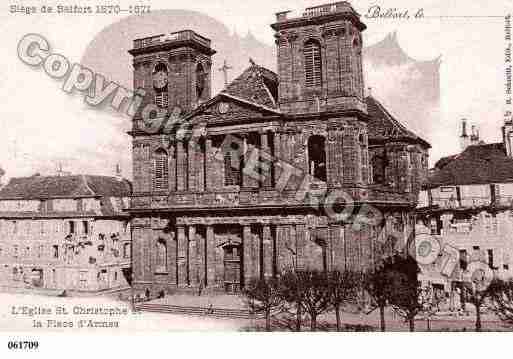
(320, 59)
(174, 70)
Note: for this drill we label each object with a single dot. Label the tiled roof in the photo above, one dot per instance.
(383, 126)
(477, 164)
(74, 186)
(257, 85)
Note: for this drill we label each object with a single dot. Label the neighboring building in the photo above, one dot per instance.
(467, 205)
(205, 216)
(65, 233)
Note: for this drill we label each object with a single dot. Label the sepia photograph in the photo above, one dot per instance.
(289, 166)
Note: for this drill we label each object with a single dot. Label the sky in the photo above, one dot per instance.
(41, 126)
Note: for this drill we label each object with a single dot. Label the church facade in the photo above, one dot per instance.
(286, 171)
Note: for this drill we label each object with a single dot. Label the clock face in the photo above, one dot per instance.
(224, 107)
(160, 79)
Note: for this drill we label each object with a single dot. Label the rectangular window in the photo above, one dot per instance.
(80, 205)
(463, 259)
(55, 251)
(490, 258)
(126, 250)
(71, 227)
(83, 280)
(85, 227)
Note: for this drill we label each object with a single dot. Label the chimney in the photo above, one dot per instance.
(464, 138)
(507, 137)
(474, 137)
(119, 176)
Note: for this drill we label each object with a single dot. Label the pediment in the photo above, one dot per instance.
(228, 109)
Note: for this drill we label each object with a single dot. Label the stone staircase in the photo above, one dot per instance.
(198, 311)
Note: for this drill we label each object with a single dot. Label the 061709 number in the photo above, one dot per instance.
(22, 345)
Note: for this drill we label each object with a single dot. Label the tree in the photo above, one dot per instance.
(430, 304)
(477, 293)
(263, 296)
(405, 291)
(316, 294)
(292, 292)
(377, 285)
(501, 295)
(406, 297)
(343, 288)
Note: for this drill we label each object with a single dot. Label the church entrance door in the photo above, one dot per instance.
(232, 268)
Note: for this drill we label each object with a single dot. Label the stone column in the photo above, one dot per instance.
(171, 258)
(256, 255)
(267, 251)
(265, 156)
(192, 257)
(172, 168)
(300, 246)
(209, 169)
(247, 260)
(278, 155)
(210, 256)
(182, 256)
(200, 163)
(180, 166)
(246, 181)
(192, 164)
(201, 257)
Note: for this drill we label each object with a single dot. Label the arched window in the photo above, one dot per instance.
(317, 157)
(160, 81)
(161, 170)
(161, 256)
(200, 81)
(313, 63)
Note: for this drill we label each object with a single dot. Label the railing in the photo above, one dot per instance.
(472, 202)
(342, 6)
(174, 36)
(256, 197)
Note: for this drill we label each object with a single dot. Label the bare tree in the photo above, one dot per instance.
(343, 288)
(477, 292)
(377, 285)
(263, 296)
(430, 304)
(501, 295)
(293, 293)
(406, 298)
(316, 298)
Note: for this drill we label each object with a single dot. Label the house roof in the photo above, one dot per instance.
(74, 186)
(257, 85)
(477, 164)
(383, 126)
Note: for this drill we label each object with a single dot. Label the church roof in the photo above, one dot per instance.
(383, 126)
(257, 85)
(477, 164)
(73, 186)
